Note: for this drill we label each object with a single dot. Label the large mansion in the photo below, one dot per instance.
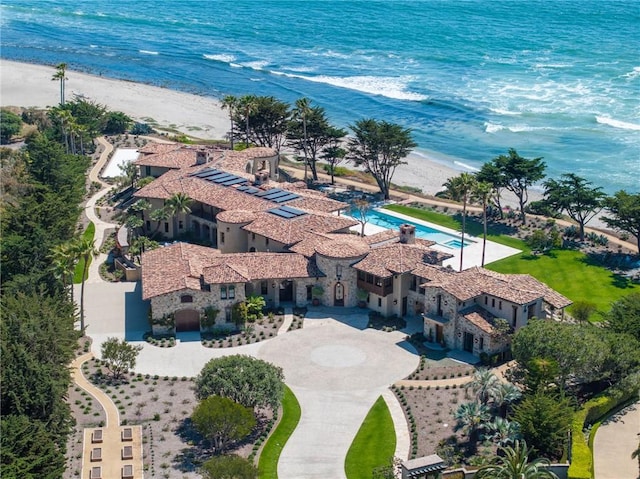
(293, 245)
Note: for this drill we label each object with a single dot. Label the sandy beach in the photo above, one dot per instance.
(29, 85)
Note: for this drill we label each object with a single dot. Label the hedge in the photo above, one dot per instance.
(594, 409)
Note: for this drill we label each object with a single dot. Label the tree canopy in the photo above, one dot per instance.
(624, 316)
(222, 421)
(379, 147)
(625, 213)
(119, 356)
(10, 125)
(575, 196)
(517, 174)
(229, 467)
(265, 120)
(246, 380)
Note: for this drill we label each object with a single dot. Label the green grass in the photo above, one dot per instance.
(570, 272)
(268, 463)
(374, 444)
(77, 275)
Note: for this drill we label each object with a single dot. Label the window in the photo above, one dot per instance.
(369, 278)
(486, 300)
(180, 225)
(253, 236)
(493, 302)
(414, 281)
(361, 276)
(388, 281)
(166, 227)
(186, 298)
(481, 343)
(223, 292)
(147, 171)
(309, 292)
(380, 302)
(264, 287)
(378, 281)
(232, 291)
(499, 304)
(266, 241)
(148, 225)
(221, 237)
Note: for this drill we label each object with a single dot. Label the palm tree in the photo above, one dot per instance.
(159, 215)
(85, 249)
(514, 464)
(249, 105)
(63, 261)
(484, 385)
(504, 395)
(176, 205)
(482, 193)
(302, 110)
(471, 416)
(459, 189)
(503, 432)
(230, 102)
(61, 70)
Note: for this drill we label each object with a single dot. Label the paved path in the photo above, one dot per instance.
(111, 411)
(615, 440)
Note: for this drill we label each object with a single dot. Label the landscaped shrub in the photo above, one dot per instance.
(594, 409)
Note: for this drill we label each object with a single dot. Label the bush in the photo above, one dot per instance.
(141, 129)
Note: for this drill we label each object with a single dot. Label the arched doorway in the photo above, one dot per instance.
(338, 294)
(286, 291)
(187, 320)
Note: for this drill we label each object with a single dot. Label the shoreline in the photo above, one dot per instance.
(30, 85)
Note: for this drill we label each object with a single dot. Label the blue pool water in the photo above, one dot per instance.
(384, 220)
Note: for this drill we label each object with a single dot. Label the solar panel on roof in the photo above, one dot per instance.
(212, 176)
(287, 197)
(269, 192)
(223, 178)
(201, 173)
(235, 181)
(243, 188)
(282, 214)
(251, 190)
(275, 194)
(293, 211)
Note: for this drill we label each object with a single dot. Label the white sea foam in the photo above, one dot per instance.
(147, 52)
(465, 166)
(221, 57)
(492, 127)
(235, 65)
(391, 87)
(257, 65)
(635, 73)
(502, 111)
(624, 125)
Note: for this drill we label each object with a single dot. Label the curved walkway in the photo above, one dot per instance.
(90, 210)
(112, 415)
(615, 441)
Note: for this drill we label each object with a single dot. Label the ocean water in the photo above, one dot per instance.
(558, 79)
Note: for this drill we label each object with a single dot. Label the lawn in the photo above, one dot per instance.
(268, 464)
(374, 445)
(77, 275)
(569, 272)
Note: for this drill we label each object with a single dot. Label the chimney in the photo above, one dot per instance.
(262, 178)
(202, 157)
(407, 234)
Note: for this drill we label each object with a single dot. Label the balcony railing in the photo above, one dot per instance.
(375, 289)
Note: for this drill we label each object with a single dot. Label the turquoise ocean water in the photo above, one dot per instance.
(558, 79)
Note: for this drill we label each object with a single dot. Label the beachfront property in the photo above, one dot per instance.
(293, 245)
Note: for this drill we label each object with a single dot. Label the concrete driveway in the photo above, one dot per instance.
(335, 366)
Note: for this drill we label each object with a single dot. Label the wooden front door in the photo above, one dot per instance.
(439, 333)
(187, 320)
(468, 342)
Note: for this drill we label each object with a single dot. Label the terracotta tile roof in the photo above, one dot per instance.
(308, 201)
(432, 272)
(386, 236)
(152, 147)
(481, 318)
(173, 159)
(180, 266)
(395, 258)
(292, 230)
(518, 289)
(342, 246)
(245, 267)
(174, 268)
(236, 216)
(237, 160)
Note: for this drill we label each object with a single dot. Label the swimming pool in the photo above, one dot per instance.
(384, 220)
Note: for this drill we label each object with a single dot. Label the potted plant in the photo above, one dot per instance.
(362, 296)
(317, 291)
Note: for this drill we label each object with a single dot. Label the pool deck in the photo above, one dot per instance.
(120, 157)
(472, 252)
